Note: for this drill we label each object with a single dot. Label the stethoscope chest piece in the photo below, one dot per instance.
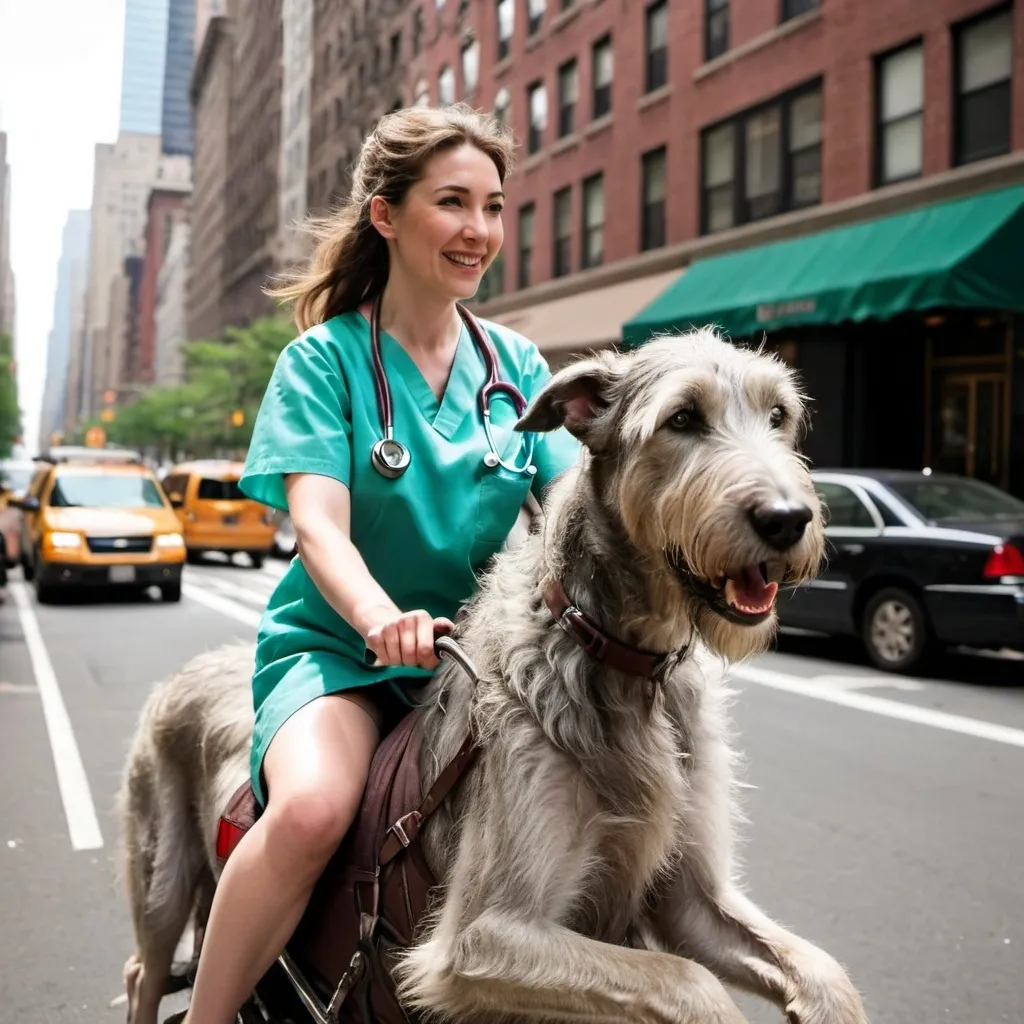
(390, 457)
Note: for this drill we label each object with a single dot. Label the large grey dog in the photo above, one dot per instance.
(601, 804)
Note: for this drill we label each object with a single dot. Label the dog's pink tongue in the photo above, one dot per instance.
(752, 591)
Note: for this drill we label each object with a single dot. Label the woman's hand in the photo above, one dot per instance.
(405, 638)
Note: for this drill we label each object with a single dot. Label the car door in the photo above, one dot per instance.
(852, 525)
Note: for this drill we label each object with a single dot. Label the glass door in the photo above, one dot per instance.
(967, 432)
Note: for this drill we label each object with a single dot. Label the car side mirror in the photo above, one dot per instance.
(26, 504)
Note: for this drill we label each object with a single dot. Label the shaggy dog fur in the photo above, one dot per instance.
(601, 807)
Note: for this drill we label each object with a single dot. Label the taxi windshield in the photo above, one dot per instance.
(95, 490)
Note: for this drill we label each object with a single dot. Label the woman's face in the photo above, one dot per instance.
(448, 229)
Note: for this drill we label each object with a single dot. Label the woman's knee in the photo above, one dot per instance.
(310, 822)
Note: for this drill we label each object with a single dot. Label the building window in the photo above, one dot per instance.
(601, 76)
(900, 100)
(421, 97)
(652, 199)
(593, 221)
(396, 50)
(984, 60)
(568, 94)
(492, 283)
(716, 28)
(506, 26)
(525, 242)
(794, 8)
(339, 113)
(502, 104)
(417, 31)
(535, 15)
(446, 86)
(470, 67)
(762, 162)
(562, 255)
(656, 45)
(537, 103)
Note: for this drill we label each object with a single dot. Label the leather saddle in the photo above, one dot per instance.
(371, 896)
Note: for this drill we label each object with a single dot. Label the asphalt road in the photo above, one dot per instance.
(885, 814)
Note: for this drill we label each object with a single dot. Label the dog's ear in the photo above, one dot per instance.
(574, 398)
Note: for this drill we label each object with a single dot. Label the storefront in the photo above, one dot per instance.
(906, 330)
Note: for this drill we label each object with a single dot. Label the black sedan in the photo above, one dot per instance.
(915, 561)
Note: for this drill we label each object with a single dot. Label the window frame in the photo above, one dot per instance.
(737, 121)
(599, 92)
(535, 21)
(655, 61)
(558, 241)
(535, 134)
(917, 43)
(567, 111)
(504, 45)
(957, 31)
(586, 262)
(646, 243)
(524, 256)
(716, 9)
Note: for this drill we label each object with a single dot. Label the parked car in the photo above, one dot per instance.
(916, 561)
(97, 517)
(15, 476)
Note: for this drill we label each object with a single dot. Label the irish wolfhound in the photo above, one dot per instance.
(601, 803)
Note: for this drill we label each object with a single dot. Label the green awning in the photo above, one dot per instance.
(966, 253)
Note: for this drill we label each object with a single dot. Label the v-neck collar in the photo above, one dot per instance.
(460, 389)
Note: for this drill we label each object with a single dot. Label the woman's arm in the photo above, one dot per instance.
(320, 509)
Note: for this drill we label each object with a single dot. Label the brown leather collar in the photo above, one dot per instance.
(632, 660)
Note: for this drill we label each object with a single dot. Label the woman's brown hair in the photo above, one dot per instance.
(350, 258)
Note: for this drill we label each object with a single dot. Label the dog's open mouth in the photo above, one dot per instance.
(744, 595)
(750, 591)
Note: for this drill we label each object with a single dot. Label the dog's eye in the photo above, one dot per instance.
(777, 416)
(684, 419)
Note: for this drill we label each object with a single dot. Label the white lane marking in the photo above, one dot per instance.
(866, 682)
(235, 591)
(880, 705)
(83, 826)
(224, 605)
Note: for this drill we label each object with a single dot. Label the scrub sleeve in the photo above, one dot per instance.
(424, 536)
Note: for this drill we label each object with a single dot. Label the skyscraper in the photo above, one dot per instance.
(176, 121)
(145, 54)
(68, 319)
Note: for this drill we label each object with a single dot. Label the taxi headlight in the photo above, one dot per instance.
(63, 539)
(170, 540)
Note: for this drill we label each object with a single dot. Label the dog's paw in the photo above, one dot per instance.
(826, 997)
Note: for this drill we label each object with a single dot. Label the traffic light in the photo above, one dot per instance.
(238, 418)
(107, 415)
(110, 397)
(95, 437)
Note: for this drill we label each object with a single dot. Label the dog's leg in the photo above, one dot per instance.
(704, 915)
(499, 946)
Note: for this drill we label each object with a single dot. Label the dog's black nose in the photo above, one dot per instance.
(781, 524)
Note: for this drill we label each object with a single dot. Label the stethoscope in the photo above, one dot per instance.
(391, 458)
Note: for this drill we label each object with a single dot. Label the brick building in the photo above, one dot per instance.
(660, 133)
(166, 207)
(210, 94)
(253, 141)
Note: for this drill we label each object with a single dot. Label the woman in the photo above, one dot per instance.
(384, 561)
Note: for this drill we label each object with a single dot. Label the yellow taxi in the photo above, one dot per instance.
(97, 517)
(215, 515)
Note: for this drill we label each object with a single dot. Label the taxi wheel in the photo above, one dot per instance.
(171, 592)
(45, 592)
(28, 570)
(257, 559)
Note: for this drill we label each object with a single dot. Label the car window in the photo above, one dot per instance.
(96, 490)
(175, 485)
(844, 508)
(219, 490)
(937, 499)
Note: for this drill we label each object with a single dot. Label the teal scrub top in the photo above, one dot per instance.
(425, 535)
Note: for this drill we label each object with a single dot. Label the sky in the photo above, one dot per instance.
(60, 94)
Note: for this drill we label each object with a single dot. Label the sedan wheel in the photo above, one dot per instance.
(895, 630)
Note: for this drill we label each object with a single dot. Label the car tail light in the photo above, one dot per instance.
(1005, 560)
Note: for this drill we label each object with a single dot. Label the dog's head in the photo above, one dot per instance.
(694, 446)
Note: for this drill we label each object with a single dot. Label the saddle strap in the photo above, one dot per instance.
(403, 831)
